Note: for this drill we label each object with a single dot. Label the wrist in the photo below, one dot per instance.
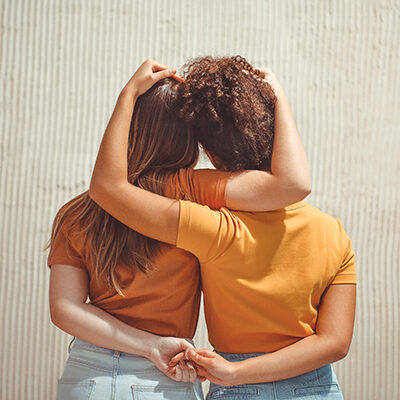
(128, 94)
(150, 346)
(280, 95)
(238, 372)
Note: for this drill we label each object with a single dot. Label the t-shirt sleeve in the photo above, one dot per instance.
(204, 232)
(203, 186)
(347, 271)
(63, 251)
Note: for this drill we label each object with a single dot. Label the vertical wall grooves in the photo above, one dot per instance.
(62, 65)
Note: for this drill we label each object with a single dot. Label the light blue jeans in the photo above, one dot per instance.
(320, 384)
(96, 373)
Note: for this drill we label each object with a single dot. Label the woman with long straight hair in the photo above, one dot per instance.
(144, 295)
(279, 286)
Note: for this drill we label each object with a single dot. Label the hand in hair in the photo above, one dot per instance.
(267, 75)
(146, 76)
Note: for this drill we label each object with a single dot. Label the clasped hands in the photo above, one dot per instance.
(180, 361)
(207, 365)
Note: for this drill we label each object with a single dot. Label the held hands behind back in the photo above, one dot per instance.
(166, 348)
(209, 365)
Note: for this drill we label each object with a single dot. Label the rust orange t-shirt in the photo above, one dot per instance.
(263, 274)
(166, 300)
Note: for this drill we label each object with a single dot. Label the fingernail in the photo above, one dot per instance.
(172, 71)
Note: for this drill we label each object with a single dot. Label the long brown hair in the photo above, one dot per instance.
(160, 143)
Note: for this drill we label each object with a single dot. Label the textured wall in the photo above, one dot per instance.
(62, 66)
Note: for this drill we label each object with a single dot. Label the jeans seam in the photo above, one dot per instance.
(70, 344)
(318, 376)
(274, 387)
(116, 356)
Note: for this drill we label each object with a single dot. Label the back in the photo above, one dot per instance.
(166, 300)
(263, 274)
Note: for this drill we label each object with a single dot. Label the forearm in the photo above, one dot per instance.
(299, 358)
(110, 188)
(93, 325)
(111, 166)
(289, 161)
(289, 180)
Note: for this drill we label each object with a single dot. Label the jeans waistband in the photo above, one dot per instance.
(238, 356)
(76, 342)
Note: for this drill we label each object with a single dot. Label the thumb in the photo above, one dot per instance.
(178, 357)
(198, 358)
(165, 73)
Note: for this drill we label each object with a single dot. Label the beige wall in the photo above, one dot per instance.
(62, 66)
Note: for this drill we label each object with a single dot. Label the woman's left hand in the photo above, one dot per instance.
(146, 76)
(211, 366)
(162, 349)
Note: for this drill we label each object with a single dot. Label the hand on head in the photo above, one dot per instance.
(147, 75)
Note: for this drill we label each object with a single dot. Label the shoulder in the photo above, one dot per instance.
(68, 216)
(335, 233)
(319, 215)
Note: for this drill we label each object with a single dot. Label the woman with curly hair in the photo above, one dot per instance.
(144, 295)
(279, 286)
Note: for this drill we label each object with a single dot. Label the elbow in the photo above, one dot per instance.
(335, 347)
(103, 191)
(61, 311)
(307, 187)
(300, 189)
(93, 191)
(304, 186)
(94, 188)
(56, 316)
(97, 191)
(305, 190)
(340, 350)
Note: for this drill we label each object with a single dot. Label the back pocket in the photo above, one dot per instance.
(235, 393)
(69, 389)
(163, 393)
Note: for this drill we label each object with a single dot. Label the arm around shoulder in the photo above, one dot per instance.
(289, 180)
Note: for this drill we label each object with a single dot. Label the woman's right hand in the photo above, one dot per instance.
(165, 348)
(146, 76)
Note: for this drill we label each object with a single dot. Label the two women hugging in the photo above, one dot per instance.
(151, 233)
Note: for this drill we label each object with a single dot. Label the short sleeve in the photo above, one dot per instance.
(204, 232)
(63, 251)
(203, 186)
(347, 272)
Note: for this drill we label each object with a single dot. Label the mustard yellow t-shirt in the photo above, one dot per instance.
(263, 274)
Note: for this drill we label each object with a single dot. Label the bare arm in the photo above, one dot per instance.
(70, 312)
(330, 343)
(251, 190)
(289, 180)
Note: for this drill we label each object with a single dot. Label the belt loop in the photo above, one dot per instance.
(70, 344)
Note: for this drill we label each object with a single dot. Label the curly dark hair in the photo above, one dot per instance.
(231, 111)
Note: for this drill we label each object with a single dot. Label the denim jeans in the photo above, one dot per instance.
(320, 384)
(95, 373)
